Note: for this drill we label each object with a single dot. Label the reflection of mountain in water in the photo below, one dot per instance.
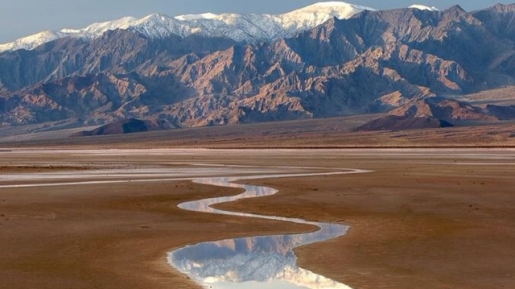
(249, 262)
(261, 259)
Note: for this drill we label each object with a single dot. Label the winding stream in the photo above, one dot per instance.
(243, 263)
(253, 262)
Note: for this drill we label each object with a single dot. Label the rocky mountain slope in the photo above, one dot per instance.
(409, 62)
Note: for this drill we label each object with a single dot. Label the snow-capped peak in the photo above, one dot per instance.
(340, 8)
(32, 41)
(92, 31)
(100, 28)
(423, 7)
(319, 13)
(196, 16)
(242, 28)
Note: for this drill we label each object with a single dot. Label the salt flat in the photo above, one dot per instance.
(422, 219)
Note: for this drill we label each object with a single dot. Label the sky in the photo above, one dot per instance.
(19, 18)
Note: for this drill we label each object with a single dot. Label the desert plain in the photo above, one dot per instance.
(422, 218)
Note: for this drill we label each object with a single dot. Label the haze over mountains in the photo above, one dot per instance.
(326, 60)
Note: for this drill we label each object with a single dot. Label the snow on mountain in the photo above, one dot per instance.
(32, 41)
(196, 16)
(423, 7)
(242, 28)
(94, 30)
(100, 28)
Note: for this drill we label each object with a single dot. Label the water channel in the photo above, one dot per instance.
(253, 262)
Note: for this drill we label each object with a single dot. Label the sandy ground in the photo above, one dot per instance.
(423, 219)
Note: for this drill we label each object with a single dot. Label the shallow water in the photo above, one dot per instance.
(253, 262)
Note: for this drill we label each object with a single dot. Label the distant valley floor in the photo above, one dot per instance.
(309, 133)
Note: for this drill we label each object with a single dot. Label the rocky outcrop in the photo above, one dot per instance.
(124, 127)
(502, 112)
(445, 109)
(393, 122)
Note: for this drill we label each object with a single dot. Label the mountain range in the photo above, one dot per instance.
(241, 28)
(326, 60)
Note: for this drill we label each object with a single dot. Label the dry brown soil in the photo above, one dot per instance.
(423, 219)
(311, 133)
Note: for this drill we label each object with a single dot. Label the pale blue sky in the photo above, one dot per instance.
(20, 18)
